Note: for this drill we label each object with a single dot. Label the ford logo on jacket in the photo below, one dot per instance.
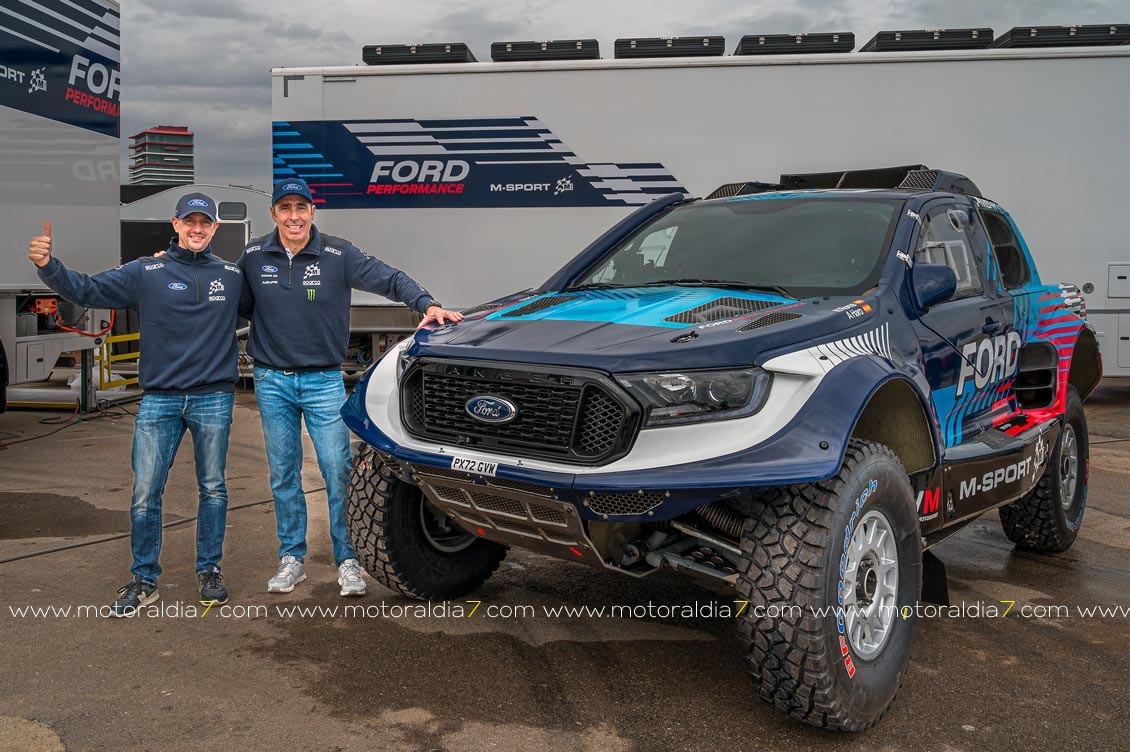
(487, 409)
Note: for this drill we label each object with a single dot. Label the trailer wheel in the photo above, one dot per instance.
(405, 543)
(1048, 517)
(831, 572)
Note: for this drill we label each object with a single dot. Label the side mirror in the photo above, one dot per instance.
(933, 284)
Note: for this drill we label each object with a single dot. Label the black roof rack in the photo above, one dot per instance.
(1064, 36)
(671, 47)
(909, 177)
(796, 44)
(730, 190)
(415, 54)
(929, 39)
(560, 49)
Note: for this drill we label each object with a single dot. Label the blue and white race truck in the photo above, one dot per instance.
(791, 389)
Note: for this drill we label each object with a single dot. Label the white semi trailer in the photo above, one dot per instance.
(59, 112)
(481, 179)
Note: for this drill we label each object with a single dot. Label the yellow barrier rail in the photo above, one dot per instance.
(106, 360)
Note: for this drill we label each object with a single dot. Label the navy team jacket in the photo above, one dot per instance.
(187, 303)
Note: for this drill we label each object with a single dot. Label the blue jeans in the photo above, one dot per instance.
(285, 398)
(161, 422)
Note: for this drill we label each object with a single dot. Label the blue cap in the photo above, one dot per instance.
(291, 187)
(196, 203)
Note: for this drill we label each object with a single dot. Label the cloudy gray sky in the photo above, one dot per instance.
(206, 63)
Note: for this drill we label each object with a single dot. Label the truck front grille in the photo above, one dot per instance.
(564, 414)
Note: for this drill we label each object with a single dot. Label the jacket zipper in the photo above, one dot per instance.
(197, 275)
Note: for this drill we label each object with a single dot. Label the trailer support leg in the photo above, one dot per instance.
(88, 396)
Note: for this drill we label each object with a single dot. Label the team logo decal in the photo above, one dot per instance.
(178, 286)
(505, 161)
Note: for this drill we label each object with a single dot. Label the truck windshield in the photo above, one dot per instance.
(807, 246)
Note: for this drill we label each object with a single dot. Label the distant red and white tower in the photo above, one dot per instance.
(163, 155)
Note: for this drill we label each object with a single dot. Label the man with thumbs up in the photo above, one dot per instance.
(187, 302)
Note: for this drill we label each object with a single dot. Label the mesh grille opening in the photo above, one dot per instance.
(548, 515)
(722, 308)
(517, 528)
(519, 486)
(626, 503)
(919, 180)
(601, 420)
(499, 504)
(451, 495)
(770, 319)
(540, 304)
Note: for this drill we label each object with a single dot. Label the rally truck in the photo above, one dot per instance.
(792, 389)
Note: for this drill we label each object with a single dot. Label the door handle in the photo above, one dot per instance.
(992, 327)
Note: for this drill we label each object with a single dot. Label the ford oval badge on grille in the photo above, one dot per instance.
(487, 409)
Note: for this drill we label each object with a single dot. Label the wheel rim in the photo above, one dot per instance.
(441, 532)
(870, 585)
(1068, 467)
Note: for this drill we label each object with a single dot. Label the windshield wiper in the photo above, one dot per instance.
(717, 283)
(598, 286)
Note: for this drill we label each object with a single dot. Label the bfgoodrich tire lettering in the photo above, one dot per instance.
(385, 525)
(1048, 517)
(793, 545)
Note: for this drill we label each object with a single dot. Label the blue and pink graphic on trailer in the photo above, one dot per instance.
(467, 162)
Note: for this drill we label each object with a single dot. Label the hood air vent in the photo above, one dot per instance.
(770, 319)
(540, 305)
(722, 308)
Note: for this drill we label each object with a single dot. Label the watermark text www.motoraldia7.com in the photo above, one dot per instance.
(650, 610)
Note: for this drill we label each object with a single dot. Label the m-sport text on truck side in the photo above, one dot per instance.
(791, 389)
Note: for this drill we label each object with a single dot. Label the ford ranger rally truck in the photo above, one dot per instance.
(792, 389)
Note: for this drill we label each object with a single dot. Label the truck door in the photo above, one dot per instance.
(966, 348)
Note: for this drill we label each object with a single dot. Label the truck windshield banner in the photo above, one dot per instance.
(467, 162)
(60, 61)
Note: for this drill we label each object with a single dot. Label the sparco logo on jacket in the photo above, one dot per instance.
(215, 288)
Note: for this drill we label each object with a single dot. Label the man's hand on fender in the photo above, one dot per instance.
(440, 316)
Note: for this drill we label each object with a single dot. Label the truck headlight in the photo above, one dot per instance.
(695, 396)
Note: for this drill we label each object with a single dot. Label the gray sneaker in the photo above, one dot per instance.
(290, 573)
(350, 579)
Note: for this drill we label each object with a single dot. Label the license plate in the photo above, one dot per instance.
(471, 465)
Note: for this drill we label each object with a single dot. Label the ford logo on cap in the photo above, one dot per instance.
(178, 286)
(270, 269)
(293, 187)
(487, 409)
(197, 202)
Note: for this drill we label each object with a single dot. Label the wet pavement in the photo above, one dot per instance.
(288, 672)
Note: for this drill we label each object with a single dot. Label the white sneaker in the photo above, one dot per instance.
(290, 573)
(350, 579)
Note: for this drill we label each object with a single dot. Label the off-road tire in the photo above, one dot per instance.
(1038, 521)
(383, 513)
(792, 546)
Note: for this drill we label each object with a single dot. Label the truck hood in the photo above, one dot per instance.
(636, 329)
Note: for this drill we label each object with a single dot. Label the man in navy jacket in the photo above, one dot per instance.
(187, 302)
(300, 280)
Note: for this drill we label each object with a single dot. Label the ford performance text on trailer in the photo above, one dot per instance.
(59, 91)
(481, 177)
(790, 392)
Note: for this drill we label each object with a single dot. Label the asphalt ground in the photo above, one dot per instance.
(260, 677)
